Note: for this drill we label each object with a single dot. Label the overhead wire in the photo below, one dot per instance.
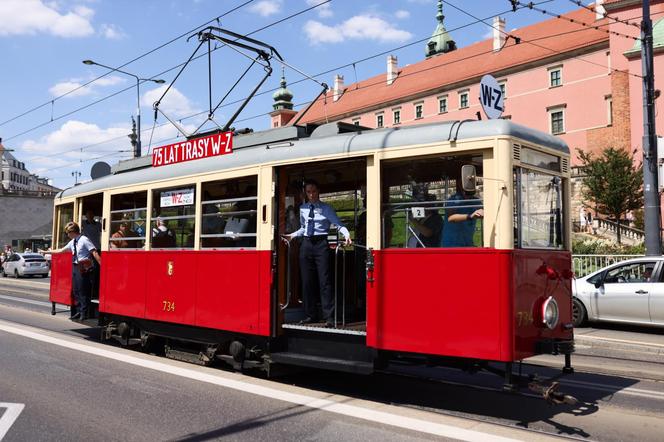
(477, 20)
(52, 101)
(53, 119)
(604, 14)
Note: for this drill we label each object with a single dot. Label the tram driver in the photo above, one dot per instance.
(316, 217)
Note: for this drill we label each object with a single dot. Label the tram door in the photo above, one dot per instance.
(342, 185)
(90, 219)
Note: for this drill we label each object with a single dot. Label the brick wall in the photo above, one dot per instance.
(618, 134)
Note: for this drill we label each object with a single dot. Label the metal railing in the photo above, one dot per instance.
(583, 265)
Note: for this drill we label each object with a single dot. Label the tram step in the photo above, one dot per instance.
(303, 360)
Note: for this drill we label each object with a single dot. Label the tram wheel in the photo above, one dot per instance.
(579, 313)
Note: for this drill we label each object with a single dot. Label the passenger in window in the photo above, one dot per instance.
(82, 251)
(429, 228)
(460, 218)
(92, 229)
(162, 236)
(316, 218)
(118, 240)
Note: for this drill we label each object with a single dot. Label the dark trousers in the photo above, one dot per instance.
(316, 283)
(81, 287)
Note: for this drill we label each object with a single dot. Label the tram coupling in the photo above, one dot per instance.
(550, 393)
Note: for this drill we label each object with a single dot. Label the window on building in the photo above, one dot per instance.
(609, 110)
(557, 120)
(503, 87)
(418, 111)
(379, 120)
(463, 100)
(397, 116)
(442, 105)
(555, 77)
(356, 122)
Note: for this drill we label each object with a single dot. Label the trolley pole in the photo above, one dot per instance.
(652, 211)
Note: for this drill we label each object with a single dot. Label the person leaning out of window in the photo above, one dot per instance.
(82, 251)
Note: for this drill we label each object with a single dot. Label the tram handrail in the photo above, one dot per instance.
(288, 275)
(339, 246)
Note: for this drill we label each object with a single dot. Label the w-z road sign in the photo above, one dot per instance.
(491, 97)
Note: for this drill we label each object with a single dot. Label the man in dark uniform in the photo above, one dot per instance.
(316, 217)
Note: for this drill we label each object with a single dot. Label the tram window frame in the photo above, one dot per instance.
(134, 217)
(62, 219)
(179, 227)
(423, 190)
(227, 218)
(523, 239)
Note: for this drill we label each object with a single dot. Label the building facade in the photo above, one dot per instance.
(15, 178)
(566, 76)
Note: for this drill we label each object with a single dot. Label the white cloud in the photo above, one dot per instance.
(75, 84)
(324, 10)
(265, 8)
(76, 144)
(359, 27)
(402, 14)
(175, 104)
(34, 17)
(112, 32)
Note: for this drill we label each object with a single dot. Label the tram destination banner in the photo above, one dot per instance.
(196, 149)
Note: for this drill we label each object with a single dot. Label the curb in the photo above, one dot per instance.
(649, 352)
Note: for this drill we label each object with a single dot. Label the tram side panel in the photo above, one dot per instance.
(448, 302)
(538, 275)
(61, 267)
(123, 284)
(225, 290)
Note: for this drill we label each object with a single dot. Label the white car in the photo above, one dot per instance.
(25, 264)
(630, 292)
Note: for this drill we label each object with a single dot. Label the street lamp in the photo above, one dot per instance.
(137, 152)
(76, 174)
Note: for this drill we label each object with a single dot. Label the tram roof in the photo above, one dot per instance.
(293, 142)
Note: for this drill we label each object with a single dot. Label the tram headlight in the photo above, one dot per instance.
(550, 313)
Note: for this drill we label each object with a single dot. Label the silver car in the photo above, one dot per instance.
(25, 264)
(630, 292)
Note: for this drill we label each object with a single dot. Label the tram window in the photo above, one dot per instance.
(539, 211)
(65, 214)
(419, 198)
(173, 217)
(229, 212)
(128, 221)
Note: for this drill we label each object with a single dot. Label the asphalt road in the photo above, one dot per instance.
(72, 387)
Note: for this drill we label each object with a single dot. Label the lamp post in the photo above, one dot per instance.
(76, 174)
(137, 151)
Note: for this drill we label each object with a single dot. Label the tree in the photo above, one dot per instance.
(612, 184)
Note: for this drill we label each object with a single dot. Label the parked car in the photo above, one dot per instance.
(630, 292)
(25, 264)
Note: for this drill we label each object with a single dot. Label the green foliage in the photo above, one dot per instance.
(604, 247)
(612, 185)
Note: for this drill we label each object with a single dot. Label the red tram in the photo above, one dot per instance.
(226, 288)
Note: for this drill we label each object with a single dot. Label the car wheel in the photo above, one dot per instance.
(579, 313)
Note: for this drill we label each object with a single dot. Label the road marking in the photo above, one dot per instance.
(22, 282)
(354, 411)
(9, 417)
(650, 344)
(615, 389)
(26, 301)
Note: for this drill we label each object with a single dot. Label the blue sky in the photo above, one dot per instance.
(44, 42)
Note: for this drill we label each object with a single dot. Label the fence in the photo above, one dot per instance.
(583, 265)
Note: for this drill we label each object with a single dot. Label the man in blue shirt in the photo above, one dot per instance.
(316, 217)
(460, 218)
(82, 251)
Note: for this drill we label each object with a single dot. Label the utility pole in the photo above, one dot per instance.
(652, 212)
